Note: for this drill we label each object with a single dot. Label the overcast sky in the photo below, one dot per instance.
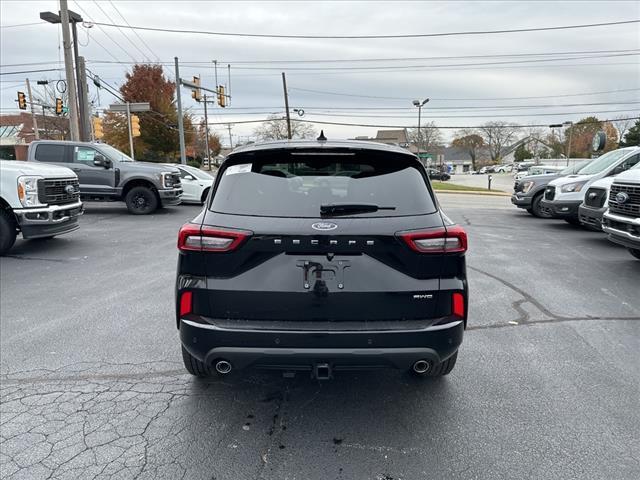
(257, 92)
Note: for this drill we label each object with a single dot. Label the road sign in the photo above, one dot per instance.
(133, 107)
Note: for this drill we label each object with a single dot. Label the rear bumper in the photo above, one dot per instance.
(521, 200)
(170, 197)
(561, 209)
(591, 217)
(49, 221)
(301, 350)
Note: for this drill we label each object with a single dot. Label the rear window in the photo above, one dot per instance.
(48, 152)
(296, 184)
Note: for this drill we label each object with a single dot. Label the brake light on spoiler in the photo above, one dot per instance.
(196, 238)
(450, 239)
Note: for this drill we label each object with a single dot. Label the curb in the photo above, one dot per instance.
(475, 192)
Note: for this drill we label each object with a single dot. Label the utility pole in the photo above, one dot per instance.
(130, 131)
(33, 111)
(68, 66)
(83, 98)
(79, 79)
(183, 156)
(286, 105)
(206, 132)
(230, 137)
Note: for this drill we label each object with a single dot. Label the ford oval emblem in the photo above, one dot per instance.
(622, 197)
(324, 226)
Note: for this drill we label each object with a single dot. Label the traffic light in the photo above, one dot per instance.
(222, 100)
(22, 101)
(59, 106)
(97, 128)
(196, 94)
(135, 126)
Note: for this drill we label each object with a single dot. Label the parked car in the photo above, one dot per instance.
(622, 220)
(195, 183)
(538, 170)
(107, 174)
(594, 203)
(321, 256)
(503, 168)
(37, 201)
(487, 169)
(528, 190)
(438, 175)
(563, 196)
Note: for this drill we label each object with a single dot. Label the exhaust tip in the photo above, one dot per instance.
(421, 366)
(223, 367)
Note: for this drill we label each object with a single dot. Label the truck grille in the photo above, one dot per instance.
(54, 191)
(595, 198)
(550, 193)
(630, 206)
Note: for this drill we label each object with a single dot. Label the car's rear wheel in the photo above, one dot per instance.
(193, 365)
(141, 200)
(635, 252)
(7, 231)
(441, 369)
(536, 207)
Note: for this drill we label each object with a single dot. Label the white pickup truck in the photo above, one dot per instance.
(622, 220)
(37, 200)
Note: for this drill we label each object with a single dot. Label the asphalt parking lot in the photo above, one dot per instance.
(546, 385)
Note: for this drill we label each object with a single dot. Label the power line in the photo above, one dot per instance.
(22, 25)
(501, 115)
(342, 94)
(443, 65)
(402, 126)
(103, 31)
(401, 59)
(32, 71)
(135, 33)
(366, 37)
(144, 55)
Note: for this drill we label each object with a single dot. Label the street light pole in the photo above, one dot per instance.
(419, 104)
(570, 125)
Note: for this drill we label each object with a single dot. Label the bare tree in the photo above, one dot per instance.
(497, 135)
(275, 128)
(470, 141)
(622, 124)
(429, 136)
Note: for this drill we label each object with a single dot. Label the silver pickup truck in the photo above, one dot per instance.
(107, 174)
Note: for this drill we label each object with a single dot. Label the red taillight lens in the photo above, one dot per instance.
(457, 305)
(208, 239)
(452, 239)
(186, 301)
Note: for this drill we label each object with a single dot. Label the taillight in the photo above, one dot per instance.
(186, 301)
(457, 305)
(452, 239)
(209, 239)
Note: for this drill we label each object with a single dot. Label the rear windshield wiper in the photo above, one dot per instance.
(347, 208)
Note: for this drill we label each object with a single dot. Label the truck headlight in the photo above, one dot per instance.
(572, 187)
(28, 191)
(526, 186)
(168, 179)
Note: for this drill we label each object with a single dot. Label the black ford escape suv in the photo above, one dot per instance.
(321, 256)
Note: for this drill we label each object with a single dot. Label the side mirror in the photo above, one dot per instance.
(101, 161)
(188, 177)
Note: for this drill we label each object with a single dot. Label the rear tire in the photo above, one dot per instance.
(193, 365)
(635, 252)
(7, 231)
(141, 201)
(536, 208)
(441, 369)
